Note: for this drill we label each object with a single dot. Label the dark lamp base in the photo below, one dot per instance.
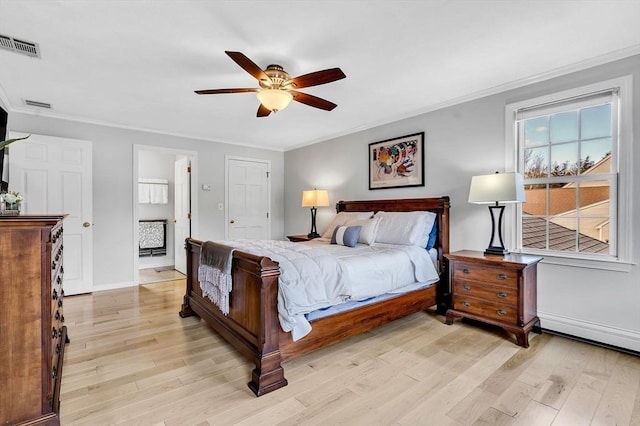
(496, 251)
(313, 235)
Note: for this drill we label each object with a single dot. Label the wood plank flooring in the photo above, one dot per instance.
(133, 361)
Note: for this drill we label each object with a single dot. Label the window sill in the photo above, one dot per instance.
(582, 262)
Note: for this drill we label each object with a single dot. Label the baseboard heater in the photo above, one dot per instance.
(152, 239)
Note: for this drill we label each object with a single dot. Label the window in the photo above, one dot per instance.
(568, 149)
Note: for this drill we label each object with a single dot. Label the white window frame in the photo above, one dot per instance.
(622, 260)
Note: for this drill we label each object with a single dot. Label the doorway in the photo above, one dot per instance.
(164, 211)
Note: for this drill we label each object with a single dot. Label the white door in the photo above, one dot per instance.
(248, 199)
(55, 176)
(182, 213)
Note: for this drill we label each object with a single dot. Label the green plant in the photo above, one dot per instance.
(8, 141)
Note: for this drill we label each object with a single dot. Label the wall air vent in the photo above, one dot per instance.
(19, 46)
(37, 104)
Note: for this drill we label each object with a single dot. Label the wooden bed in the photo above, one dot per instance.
(252, 325)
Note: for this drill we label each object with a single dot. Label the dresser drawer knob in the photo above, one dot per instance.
(57, 317)
(466, 304)
(54, 295)
(501, 312)
(465, 271)
(466, 288)
(501, 294)
(54, 333)
(501, 276)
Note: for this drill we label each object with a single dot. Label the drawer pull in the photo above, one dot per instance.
(54, 372)
(58, 348)
(466, 288)
(54, 295)
(501, 312)
(59, 303)
(501, 276)
(466, 304)
(501, 294)
(57, 317)
(53, 265)
(62, 319)
(465, 271)
(54, 333)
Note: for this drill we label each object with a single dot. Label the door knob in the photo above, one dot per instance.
(232, 221)
(86, 224)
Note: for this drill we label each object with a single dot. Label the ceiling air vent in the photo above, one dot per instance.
(19, 46)
(37, 104)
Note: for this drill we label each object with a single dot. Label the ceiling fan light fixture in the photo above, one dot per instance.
(274, 99)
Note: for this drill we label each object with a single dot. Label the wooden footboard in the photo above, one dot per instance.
(252, 325)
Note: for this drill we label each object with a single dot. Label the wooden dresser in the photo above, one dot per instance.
(499, 290)
(33, 334)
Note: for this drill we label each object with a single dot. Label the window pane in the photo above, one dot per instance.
(536, 196)
(562, 233)
(595, 122)
(534, 232)
(562, 200)
(564, 127)
(536, 131)
(594, 216)
(595, 156)
(564, 159)
(536, 162)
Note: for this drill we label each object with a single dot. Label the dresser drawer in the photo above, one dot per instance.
(495, 311)
(487, 292)
(485, 273)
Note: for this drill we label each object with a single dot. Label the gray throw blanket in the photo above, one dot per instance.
(214, 273)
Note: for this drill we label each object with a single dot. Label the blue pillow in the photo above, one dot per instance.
(346, 235)
(432, 235)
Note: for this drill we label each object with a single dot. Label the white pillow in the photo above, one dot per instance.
(342, 218)
(405, 228)
(368, 231)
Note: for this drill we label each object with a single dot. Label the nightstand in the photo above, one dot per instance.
(299, 238)
(498, 290)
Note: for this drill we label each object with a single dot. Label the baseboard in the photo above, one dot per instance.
(589, 331)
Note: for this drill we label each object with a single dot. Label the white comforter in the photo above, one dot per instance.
(317, 274)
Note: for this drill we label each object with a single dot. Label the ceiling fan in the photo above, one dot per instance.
(277, 88)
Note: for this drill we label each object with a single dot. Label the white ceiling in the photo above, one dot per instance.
(135, 64)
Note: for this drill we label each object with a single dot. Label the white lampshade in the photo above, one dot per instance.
(497, 188)
(315, 198)
(274, 99)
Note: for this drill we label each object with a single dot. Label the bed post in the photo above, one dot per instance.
(268, 374)
(443, 294)
(186, 310)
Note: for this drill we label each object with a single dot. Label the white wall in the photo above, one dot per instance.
(113, 183)
(465, 140)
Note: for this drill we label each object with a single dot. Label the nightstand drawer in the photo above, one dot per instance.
(496, 311)
(488, 292)
(484, 273)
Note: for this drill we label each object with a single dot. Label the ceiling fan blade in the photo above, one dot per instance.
(313, 101)
(316, 78)
(263, 111)
(218, 91)
(249, 66)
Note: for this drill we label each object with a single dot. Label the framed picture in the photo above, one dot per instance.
(398, 162)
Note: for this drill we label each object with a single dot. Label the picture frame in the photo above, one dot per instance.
(397, 162)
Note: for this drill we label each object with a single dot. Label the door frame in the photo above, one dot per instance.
(228, 158)
(193, 159)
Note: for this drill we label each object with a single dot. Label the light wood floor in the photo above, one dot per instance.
(133, 361)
